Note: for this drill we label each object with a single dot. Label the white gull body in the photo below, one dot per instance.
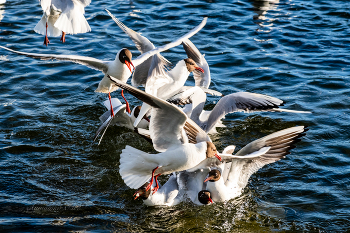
(63, 16)
(167, 130)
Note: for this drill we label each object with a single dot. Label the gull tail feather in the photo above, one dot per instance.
(135, 167)
(72, 22)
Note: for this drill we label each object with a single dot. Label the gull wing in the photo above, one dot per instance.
(240, 101)
(279, 143)
(143, 45)
(168, 121)
(85, 2)
(140, 59)
(201, 79)
(90, 62)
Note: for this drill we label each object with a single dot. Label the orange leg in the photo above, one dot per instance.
(46, 41)
(157, 185)
(150, 183)
(126, 102)
(110, 101)
(63, 38)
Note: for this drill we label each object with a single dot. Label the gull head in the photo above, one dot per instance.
(142, 192)
(213, 175)
(192, 65)
(212, 152)
(125, 57)
(204, 197)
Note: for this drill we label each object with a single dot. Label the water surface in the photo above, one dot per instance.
(54, 179)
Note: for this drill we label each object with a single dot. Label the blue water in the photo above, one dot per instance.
(54, 179)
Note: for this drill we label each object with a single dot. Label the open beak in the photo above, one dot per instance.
(136, 195)
(219, 158)
(210, 200)
(199, 69)
(209, 178)
(128, 64)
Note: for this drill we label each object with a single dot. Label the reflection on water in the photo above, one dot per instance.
(261, 7)
(2, 11)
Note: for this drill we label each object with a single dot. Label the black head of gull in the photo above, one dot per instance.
(213, 175)
(204, 197)
(143, 192)
(137, 112)
(192, 65)
(125, 56)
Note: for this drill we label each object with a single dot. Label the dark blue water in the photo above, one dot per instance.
(54, 179)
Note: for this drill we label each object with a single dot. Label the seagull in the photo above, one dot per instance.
(144, 45)
(122, 118)
(164, 84)
(167, 195)
(120, 68)
(248, 102)
(249, 160)
(167, 130)
(202, 79)
(191, 183)
(66, 16)
(153, 72)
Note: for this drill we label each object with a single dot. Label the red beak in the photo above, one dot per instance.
(137, 195)
(200, 69)
(219, 158)
(146, 118)
(209, 178)
(128, 64)
(210, 200)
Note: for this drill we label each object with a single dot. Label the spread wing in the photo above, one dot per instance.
(279, 143)
(168, 121)
(240, 101)
(140, 59)
(201, 79)
(87, 61)
(143, 45)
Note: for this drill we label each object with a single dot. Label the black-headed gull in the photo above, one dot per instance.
(66, 16)
(249, 160)
(163, 83)
(167, 130)
(167, 195)
(119, 68)
(191, 183)
(235, 102)
(202, 79)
